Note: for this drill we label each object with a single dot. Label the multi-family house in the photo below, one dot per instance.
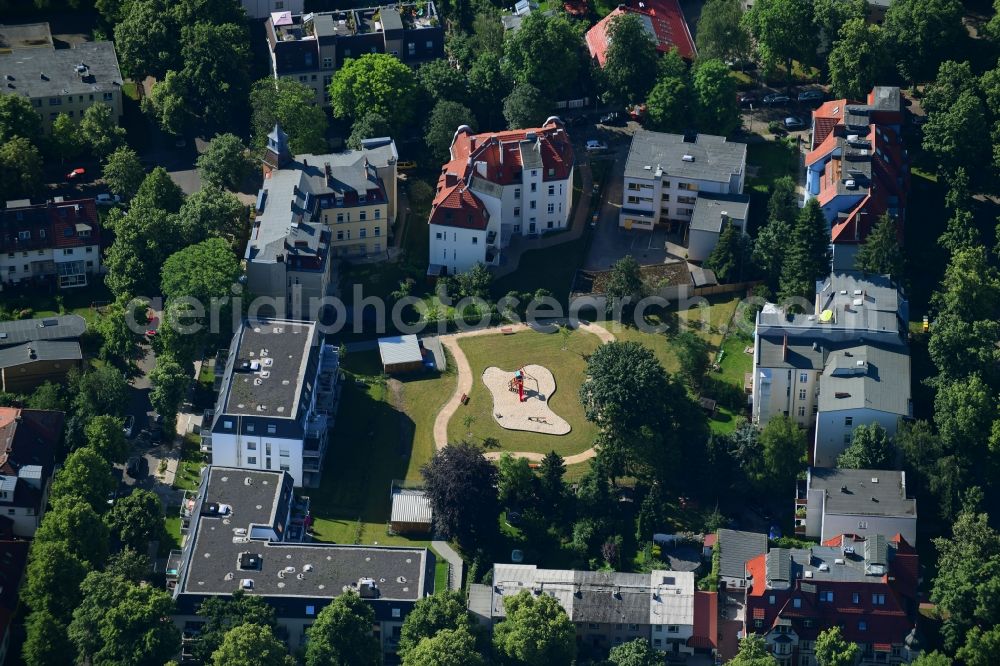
(29, 439)
(687, 183)
(867, 586)
(277, 401)
(857, 168)
(611, 608)
(498, 185)
(33, 351)
(62, 80)
(246, 530)
(842, 365)
(314, 209)
(662, 20)
(309, 48)
(58, 241)
(832, 501)
(262, 9)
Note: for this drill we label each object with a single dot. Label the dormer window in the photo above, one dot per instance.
(23, 235)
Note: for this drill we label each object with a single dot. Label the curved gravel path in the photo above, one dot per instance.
(464, 386)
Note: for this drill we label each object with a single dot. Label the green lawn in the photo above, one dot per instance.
(440, 573)
(772, 159)
(34, 302)
(509, 352)
(173, 531)
(189, 467)
(552, 268)
(384, 432)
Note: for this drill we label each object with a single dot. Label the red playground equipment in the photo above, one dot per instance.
(516, 384)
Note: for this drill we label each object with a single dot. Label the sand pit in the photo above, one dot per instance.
(534, 414)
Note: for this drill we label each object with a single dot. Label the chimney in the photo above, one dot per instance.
(450, 179)
(328, 171)
(784, 348)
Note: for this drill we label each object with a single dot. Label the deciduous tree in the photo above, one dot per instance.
(692, 353)
(251, 645)
(85, 478)
(515, 481)
(123, 172)
(783, 31)
(445, 118)
(342, 634)
(440, 81)
(870, 448)
(46, 643)
(65, 140)
(170, 383)
(370, 125)
(224, 613)
(525, 106)
(443, 610)
(783, 446)
(20, 167)
(137, 519)
(635, 653)
(753, 652)
(833, 650)
(448, 647)
(18, 118)
(921, 33)
(489, 85)
(292, 105)
(53, 580)
(536, 632)
(146, 39)
(158, 190)
(624, 283)
(461, 485)
(859, 58)
(225, 163)
(375, 82)
(631, 56)
(212, 213)
(720, 33)
(105, 436)
(100, 130)
(668, 104)
(545, 53)
(715, 97)
(831, 15)
(954, 136)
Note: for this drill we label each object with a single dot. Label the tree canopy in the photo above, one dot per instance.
(292, 105)
(445, 118)
(631, 56)
(536, 632)
(375, 82)
(881, 253)
(448, 647)
(84, 477)
(225, 163)
(783, 31)
(870, 448)
(832, 649)
(342, 634)
(525, 106)
(137, 519)
(859, 59)
(123, 172)
(461, 486)
(545, 53)
(445, 609)
(251, 645)
(720, 33)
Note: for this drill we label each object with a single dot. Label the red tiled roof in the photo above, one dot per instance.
(28, 437)
(706, 620)
(494, 157)
(710, 540)
(50, 225)
(664, 17)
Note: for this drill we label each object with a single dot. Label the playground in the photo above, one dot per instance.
(521, 399)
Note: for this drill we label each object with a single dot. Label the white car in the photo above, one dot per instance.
(129, 426)
(593, 145)
(105, 199)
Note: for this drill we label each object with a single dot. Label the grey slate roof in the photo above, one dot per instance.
(399, 349)
(27, 67)
(852, 491)
(41, 350)
(326, 570)
(867, 377)
(828, 563)
(735, 548)
(709, 209)
(715, 158)
(63, 327)
(802, 354)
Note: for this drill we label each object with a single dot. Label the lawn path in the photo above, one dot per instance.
(465, 380)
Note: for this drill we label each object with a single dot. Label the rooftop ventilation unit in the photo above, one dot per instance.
(824, 567)
(851, 183)
(688, 158)
(808, 574)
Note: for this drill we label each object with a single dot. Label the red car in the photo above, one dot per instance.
(75, 173)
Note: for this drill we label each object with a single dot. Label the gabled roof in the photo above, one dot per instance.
(29, 438)
(41, 350)
(736, 548)
(63, 327)
(663, 21)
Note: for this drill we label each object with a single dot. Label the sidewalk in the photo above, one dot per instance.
(457, 565)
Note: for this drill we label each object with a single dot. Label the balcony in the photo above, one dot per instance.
(173, 570)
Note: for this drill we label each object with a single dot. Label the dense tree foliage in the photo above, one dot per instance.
(631, 57)
(753, 652)
(448, 647)
(536, 631)
(342, 634)
(833, 650)
(292, 105)
(84, 478)
(783, 31)
(99, 129)
(445, 118)
(881, 253)
(526, 106)
(137, 519)
(123, 172)
(870, 448)
(221, 614)
(720, 33)
(637, 652)
(859, 58)
(445, 609)
(714, 91)
(545, 53)
(921, 33)
(807, 257)
(105, 437)
(225, 163)
(784, 450)
(20, 167)
(461, 485)
(18, 118)
(251, 645)
(375, 83)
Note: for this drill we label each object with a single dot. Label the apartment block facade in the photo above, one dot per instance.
(496, 186)
(315, 209)
(29, 439)
(309, 48)
(57, 242)
(63, 80)
(666, 173)
(277, 402)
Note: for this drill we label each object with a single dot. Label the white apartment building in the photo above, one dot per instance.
(666, 173)
(498, 185)
(864, 502)
(277, 401)
(262, 9)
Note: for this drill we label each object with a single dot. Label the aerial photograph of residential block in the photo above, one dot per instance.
(467, 333)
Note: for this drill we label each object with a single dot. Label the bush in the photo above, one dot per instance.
(775, 127)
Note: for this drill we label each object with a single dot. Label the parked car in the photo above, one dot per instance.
(614, 118)
(105, 199)
(75, 173)
(792, 123)
(129, 427)
(811, 97)
(748, 99)
(776, 99)
(136, 467)
(593, 146)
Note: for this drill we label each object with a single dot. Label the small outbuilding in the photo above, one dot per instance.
(411, 511)
(400, 354)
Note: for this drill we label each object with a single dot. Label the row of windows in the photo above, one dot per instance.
(66, 252)
(57, 101)
(343, 234)
(27, 267)
(363, 215)
(827, 596)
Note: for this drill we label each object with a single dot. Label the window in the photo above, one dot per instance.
(250, 427)
(633, 627)
(634, 187)
(364, 216)
(271, 428)
(340, 235)
(666, 197)
(657, 642)
(303, 78)
(378, 214)
(802, 410)
(517, 192)
(826, 595)
(310, 610)
(658, 628)
(252, 460)
(848, 421)
(592, 625)
(327, 63)
(531, 205)
(24, 235)
(285, 468)
(862, 626)
(108, 96)
(251, 446)
(475, 240)
(227, 424)
(67, 252)
(687, 200)
(430, 44)
(796, 603)
(552, 208)
(803, 377)
(534, 187)
(802, 394)
(378, 231)
(396, 612)
(411, 49)
(685, 211)
(55, 101)
(758, 624)
(878, 599)
(672, 629)
(855, 598)
(552, 190)
(771, 599)
(364, 233)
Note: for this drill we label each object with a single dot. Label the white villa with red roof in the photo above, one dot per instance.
(857, 168)
(497, 185)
